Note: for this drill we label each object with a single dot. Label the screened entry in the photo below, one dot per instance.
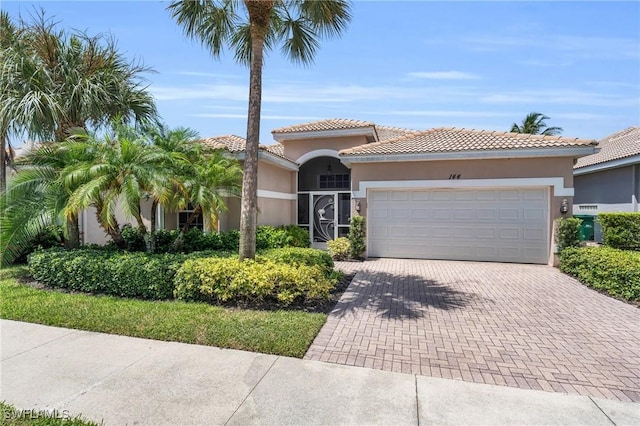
(324, 199)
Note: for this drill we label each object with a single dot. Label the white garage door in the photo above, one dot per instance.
(500, 225)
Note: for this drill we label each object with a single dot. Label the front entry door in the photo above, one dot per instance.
(324, 219)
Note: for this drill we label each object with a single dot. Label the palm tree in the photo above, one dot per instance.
(534, 124)
(249, 27)
(118, 171)
(36, 196)
(54, 82)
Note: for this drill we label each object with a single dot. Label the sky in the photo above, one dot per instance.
(414, 64)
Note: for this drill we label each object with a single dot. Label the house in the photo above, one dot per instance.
(443, 193)
(609, 180)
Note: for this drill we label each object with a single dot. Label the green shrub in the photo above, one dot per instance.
(223, 280)
(105, 271)
(298, 256)
(339, 248)
(621, 230)
(616, 271)
(164, 240)
(298, 237)
(357, 236)
(133, 238)
(51, 236)
(230, 240)
(567, 232)
(268, 237)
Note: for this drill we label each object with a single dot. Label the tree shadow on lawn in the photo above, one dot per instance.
(399, 296)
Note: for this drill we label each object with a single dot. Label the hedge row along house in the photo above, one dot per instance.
(442, 193)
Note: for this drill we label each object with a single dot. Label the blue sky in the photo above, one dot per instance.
(414, 64)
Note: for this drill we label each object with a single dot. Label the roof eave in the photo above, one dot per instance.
(271, 158)
(368, 131)
(574, 152)
(606, 165)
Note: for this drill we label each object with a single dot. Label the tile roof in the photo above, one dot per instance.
(450, 139)
(328, 124)
(236, 144)
(232, 143)
(625, 143)
(386, 132)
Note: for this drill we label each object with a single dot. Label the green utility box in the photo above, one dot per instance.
(586, 228)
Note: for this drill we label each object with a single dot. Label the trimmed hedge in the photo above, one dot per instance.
(194, 239)
(105, 271)
(297, 256)
(613, 270)
(567, 232)
(621, 230)
(222, 280)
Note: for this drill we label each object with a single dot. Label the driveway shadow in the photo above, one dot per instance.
(399, 296)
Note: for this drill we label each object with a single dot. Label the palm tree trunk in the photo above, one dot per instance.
(151, 245)
(72, 240)
(3, 162)
(259, 12)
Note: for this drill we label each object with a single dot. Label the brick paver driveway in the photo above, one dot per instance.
(527, 326)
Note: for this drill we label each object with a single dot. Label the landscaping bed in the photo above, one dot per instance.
(612, 271)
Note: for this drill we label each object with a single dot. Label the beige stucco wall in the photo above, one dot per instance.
(467, 169)
(231, 218)
(273, 178)
(272, 211)
(92, 233)
(295, 148)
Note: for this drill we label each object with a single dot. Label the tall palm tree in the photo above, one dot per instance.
(54, 82)
(248, 27)
(534, 123)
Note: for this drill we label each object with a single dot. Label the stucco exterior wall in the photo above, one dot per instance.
(273, 178)
(294, 149)
(92, 233)
(275, 212)
(605, 187)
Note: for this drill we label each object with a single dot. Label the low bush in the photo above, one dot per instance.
(357, 236)
(223, 280)
(613, 270)
(298, 256)
(621, 230)
(339, 248)
(133, 238)
(51, 236)
(268, 237)
(104, 271)
(567, 232)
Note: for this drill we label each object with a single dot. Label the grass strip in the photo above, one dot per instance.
(12, 416)
(287, 333)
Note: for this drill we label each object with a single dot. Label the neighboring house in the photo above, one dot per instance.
(609, 181)
(443, 193)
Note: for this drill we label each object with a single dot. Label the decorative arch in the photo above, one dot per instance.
(317, 153)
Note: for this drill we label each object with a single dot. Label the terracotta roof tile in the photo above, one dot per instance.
(232, 143)
(625, 143)
(236, 144)
(386, 132)
(328, 124)
(456, 140)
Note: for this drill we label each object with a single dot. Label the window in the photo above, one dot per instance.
(331, 181)
(184, 215)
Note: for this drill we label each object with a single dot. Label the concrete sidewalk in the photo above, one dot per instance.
(124, 380)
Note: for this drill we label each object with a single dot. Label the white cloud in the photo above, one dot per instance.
(552, 96)
(443, 75)
(445, 113)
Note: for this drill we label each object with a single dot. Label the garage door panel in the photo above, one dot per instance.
(471, 224)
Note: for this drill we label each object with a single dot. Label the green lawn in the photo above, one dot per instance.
(274, 332)
(14, 417)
